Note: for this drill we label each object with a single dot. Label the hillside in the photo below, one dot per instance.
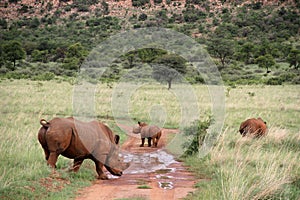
(239, 35)
(16, 9)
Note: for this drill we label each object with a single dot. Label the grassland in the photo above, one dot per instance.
(236, 168)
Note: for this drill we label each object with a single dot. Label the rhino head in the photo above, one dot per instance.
(114, 162)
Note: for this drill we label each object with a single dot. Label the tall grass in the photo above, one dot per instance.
(279, 106)
(22, 164)
(247, 168)
(235, 168)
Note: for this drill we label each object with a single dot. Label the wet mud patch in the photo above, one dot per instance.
(157, 161)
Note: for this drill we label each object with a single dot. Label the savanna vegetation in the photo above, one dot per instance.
(247, 168)
(249, 41)
(236, 168)
(254, 45)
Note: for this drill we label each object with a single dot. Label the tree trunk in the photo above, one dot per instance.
(14, 64)
(169, 84)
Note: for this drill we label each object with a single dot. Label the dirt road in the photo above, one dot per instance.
(153, 174)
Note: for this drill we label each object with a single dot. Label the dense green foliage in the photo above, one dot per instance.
(235, 36)
(196, 132)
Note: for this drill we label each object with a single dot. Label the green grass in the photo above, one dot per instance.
(235, 166)
(246, 168)
(144, 187)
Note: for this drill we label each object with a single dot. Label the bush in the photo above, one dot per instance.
(274, 81)
(3, 23)
(83, 8)
(138, 3)
(47, 76)
(196, 132)
(143, 17)
(296, 80)
(287, 76)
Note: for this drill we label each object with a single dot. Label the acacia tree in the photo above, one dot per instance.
(294, 58)
(246, 52)
(75, 55)
(168, 68)
(265, 61)
(221, 48)
(13, 52)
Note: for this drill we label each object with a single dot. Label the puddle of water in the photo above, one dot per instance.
(166, 185)
(148, 162)
(163, 177)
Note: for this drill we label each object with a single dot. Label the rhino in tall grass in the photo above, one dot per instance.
(151, 132)
(256, 127)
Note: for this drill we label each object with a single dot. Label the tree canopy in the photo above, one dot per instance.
(13, 52)
(169, 67)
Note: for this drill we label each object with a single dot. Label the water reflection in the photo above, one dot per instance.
(148, 162)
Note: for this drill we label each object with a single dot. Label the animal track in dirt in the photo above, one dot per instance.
(153, 174)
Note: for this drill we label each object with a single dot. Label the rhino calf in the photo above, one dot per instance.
(150, 132)
(79, 140)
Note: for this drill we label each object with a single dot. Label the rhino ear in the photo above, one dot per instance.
(44, 123)
(139, 123)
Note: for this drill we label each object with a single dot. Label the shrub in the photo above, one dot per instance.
(143, 17)
(296, 80)
(287, 76)
(47, 76)
(3, 70)
(83, 8)
(196, 132)
(138, 3)
(68, 8)
(3, 23)
(274, 81)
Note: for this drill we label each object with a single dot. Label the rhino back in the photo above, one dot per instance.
(149, 131)
(92, 138)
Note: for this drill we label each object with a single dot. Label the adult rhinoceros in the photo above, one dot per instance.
(256, 127)
(79, 140)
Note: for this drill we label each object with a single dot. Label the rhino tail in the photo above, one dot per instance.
(44, 123)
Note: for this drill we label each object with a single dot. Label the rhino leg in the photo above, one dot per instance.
(157, 138)
(149, 141)
(52, 159)
(47, 154)
(77, 164)
(143, 141)
(99, 169)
